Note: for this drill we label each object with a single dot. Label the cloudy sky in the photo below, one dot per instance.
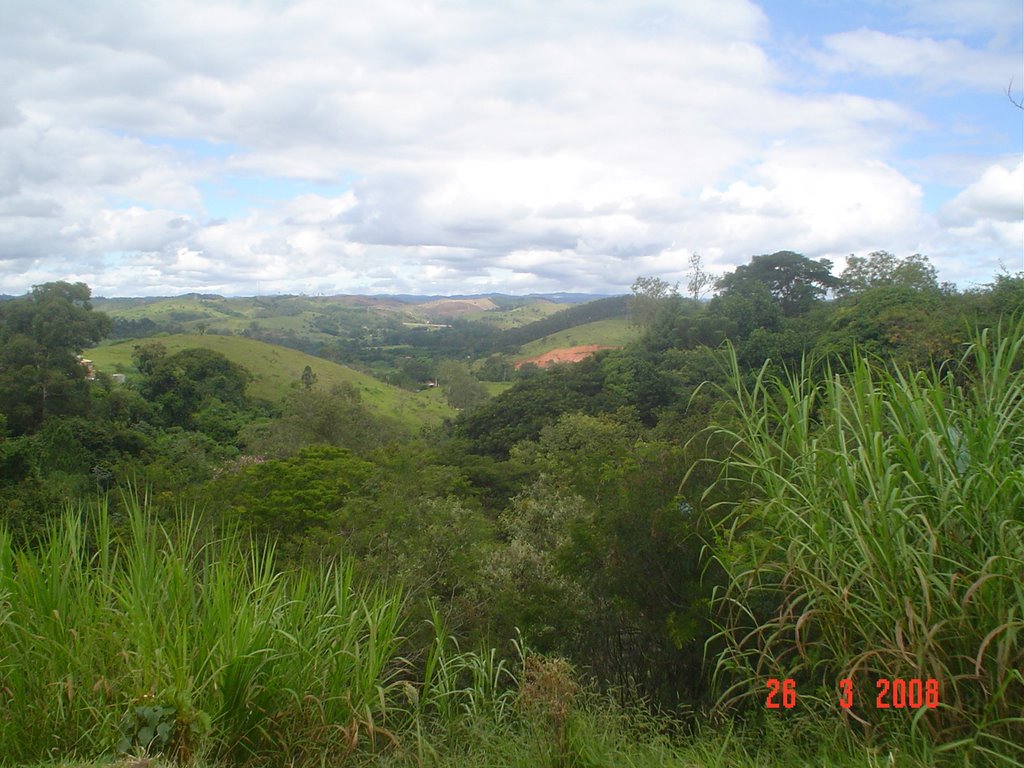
(319, 146)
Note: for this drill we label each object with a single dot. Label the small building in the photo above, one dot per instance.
(90, 370)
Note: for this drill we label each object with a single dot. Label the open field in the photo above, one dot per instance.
(277, 370)
(496, 387)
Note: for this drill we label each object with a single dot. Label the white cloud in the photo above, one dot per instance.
(998, 196)
(941, 64)
(983, 227)
(512, 145)
(812, 202)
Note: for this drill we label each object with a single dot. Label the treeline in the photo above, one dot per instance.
(772, 311)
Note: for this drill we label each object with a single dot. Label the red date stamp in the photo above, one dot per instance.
(895, 693)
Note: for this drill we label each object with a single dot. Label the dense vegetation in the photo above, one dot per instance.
(809, 477)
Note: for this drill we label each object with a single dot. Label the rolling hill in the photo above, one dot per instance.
(613, 332)
(614, 307)
(277, 370)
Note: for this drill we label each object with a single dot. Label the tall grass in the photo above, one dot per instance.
(235, 659)
(884, 539)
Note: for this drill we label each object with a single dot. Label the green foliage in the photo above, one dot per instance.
(554, 508)
(461, 388)
(152, 729)
(648, 293)
(521, 412)
(881, 268)
(525, 580)
(602, 562)
(148, 728)
(276, 369)
(613, 332)
(634, 379)
(40, 336)
(173, 461)
(883, 538)
(579, 314)
(308, 378)
(1003, 297)
(897, 323)
(743, 308)
(496, 368)
(793, 281)
(698, 280)
(288, 499)
(315, 416)
(208, 648)
(182, 384)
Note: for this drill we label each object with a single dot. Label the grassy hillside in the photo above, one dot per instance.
(610, 308)
(614, 332)
(276, 371)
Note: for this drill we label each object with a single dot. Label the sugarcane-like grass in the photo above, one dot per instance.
(883, 539)
(203, 642)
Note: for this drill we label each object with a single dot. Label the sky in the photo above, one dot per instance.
(514, 146)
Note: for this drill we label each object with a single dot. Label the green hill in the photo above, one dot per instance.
(614, 332)
(277, 370)
(313, 319)
(611, 308)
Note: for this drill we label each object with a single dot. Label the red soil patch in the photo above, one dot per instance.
(563, 355)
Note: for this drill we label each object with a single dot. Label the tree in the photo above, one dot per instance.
(740, 310)
(41, 335)
(881, 268)
(182, 384)
(794, 281)
(496, 368)
(648, 293)
(522, 411)
(308, 378)
(461, 388)
(337, 417)
(698, 280)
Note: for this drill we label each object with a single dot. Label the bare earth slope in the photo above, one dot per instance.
(563, 355)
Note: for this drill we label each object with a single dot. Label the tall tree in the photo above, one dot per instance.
(648, 292)
(794, 281)
(41, 336)
(698, 279)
